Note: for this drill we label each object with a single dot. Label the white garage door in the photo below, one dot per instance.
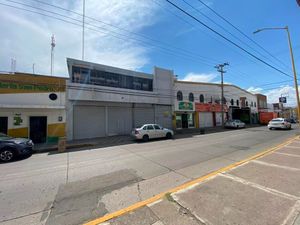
(89, 122)
(219, 118)
(206, 119)
(119, 120)
(143, 116)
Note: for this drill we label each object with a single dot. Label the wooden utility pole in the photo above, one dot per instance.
(220, 68)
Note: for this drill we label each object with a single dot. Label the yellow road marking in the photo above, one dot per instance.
(185, 185)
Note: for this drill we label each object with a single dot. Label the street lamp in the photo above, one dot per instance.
(292, 59)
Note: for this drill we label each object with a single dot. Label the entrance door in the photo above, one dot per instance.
(38, 129)
(3, 125)
(185, 123)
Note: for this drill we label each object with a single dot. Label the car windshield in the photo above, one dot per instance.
(277, 120)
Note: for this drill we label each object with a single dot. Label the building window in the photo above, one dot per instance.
(232, 102)
(237, 102)
(246, 103)
(191, 97)
(251, 104)
(254, 104)
(109, 79)
(224, 101)
(179, 96)
(201, 98)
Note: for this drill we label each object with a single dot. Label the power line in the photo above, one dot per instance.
(227, 39)
(213, 61)
(170, 51)
(221, 27)
(241, 32)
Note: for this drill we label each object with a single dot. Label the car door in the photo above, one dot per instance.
(151, 131)
(159, 133)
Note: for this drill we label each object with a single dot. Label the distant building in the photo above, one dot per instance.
(32, 106)
(198, 105)
(262, 104)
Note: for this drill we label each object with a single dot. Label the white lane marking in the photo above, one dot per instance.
(287, 146)
(261, 187)
(292, 216)
(287, 154)
(275, 165)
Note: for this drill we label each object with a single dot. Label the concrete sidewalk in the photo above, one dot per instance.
(262, 191)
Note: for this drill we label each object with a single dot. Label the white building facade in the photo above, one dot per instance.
(198, 105)
(106, 101)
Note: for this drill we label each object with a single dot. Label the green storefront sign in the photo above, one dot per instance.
(9, 85)
(185, 106)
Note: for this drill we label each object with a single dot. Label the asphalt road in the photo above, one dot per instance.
(70, 188)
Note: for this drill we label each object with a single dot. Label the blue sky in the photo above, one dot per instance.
(26, 38)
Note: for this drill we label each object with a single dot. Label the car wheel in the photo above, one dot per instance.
(169, 135)
(270, 128)
(145, 138)
(237, 126)
(6, 155)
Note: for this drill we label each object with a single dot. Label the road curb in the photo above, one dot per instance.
(186, 185)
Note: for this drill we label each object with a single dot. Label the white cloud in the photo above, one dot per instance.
(254, 90)
(27, 35)
(200, 77)
(286, 90)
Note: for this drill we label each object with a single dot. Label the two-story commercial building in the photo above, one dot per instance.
(198, 105)
(105, 101)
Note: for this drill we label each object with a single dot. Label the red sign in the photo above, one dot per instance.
(208, 107)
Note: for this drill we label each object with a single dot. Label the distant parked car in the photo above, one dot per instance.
(12, 147)
(234, 124)
(279, 123)
(151, 131)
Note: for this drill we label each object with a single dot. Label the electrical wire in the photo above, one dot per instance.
(227, 39)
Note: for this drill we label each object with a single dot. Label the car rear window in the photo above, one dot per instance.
(277, 120)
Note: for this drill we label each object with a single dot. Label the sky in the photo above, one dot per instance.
(141, 34)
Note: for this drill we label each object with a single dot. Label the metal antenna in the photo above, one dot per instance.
(52, 54)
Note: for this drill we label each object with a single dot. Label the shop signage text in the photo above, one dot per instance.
(208, 107)
(185, 106)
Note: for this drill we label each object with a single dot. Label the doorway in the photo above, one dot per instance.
(185, 123)
(3, 125)
(38, 129)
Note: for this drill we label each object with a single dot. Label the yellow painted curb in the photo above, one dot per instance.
(185, 185)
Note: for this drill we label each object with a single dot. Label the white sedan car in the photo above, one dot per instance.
(234, 124)
(279, 123)
(151, 131)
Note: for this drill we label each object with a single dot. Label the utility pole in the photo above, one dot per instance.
(52, 53)
(220, 68)
(83, 21)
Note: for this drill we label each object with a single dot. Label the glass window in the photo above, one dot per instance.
(201, 98)
(157, 127)
(251, 104)
(237, 102)
(232, 102)
(179, 96)
(191, 97)
(150, 127)
(254, 104)
(178, 121)
(191, 120)
(246, 103)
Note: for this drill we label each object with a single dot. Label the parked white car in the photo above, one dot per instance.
(151, 131)
(234, 124)
(279, 123)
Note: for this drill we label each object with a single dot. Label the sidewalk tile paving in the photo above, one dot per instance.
(263, 191)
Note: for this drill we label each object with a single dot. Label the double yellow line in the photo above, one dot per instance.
(185, 185)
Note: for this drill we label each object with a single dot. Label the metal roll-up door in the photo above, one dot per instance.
(119, 120)
(143, 116)
(89, 122)
(219, 118)
(205, 119)
(164, 115)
